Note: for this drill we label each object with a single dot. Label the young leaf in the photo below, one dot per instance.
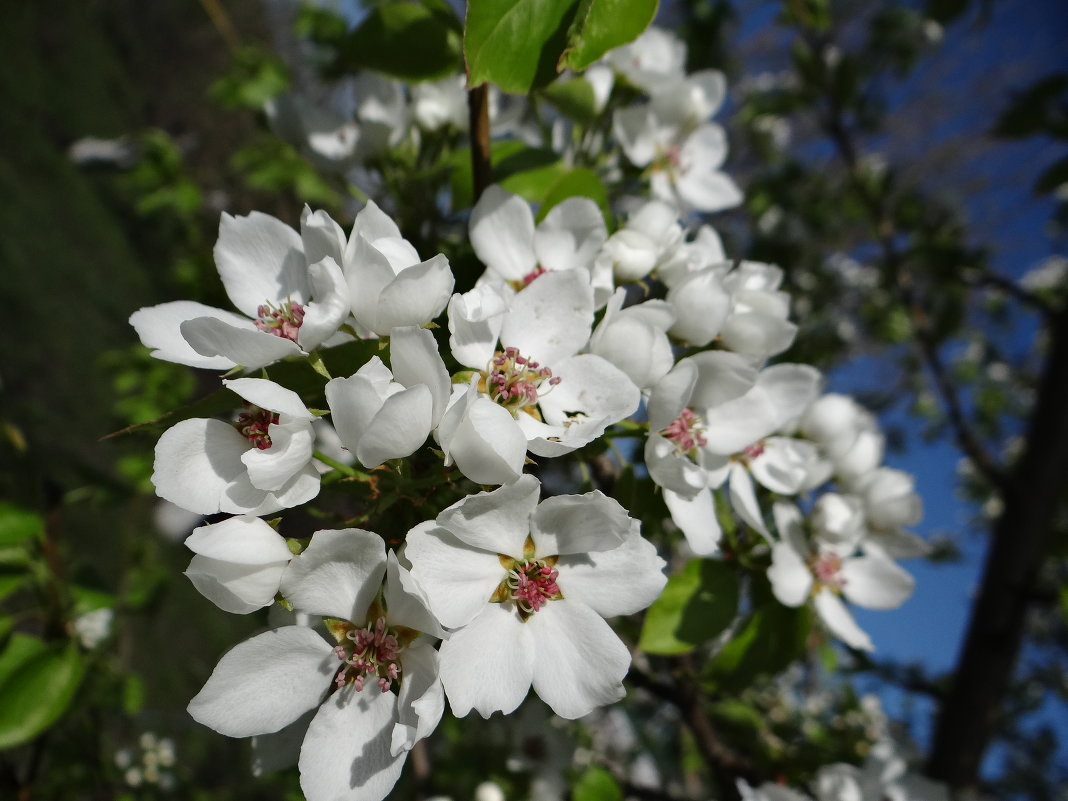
(413, 41)
(516, 44)
(772, 637)
(579, 182)
(696, 605)
(18, 525)
(597, 784)
(601, 25)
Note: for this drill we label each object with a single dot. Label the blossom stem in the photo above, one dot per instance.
(344, 469)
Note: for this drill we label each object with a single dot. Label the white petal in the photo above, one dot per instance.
(708, 189)
(260, 259)
(876, 582)
(241, 540)
(416, 296)
(502, 233)
(235, 588)
(696, 518)
(579, 662)
(744, 501)
(421, 700)
(269, 395)
(302, 487)
(457, 580)
(399, 428)
(590, 385)
(475, 320)
(196, 461)
(373, 223)
(570, 235)
(757, 335)
(266, 682)
(701, 305)
(346, 752)
(320, 236)
(329, 307)
(406, 601)
(722, 377)
(414, 358)
(784, 464)
(840, 621)
(242, 344)
(671, 394)
(159, 327)
(488, 664)
(368, 273)
(354, 402)
(578, 524)
(552, 318)
(291, 450)
(497, 521)
(337, 575)
(620, 581)
(484, 441)
(791, 580)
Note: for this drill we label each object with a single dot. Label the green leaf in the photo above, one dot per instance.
(772, 637)
(526, 171)
(596, 784)
(573, 98)
(37, 684)
(601, 25)
(516, 44)
(18, 525)
(9, 582)
(406, 39)
(133, 694)
(579, 182)
(696, 605)
(254, 77)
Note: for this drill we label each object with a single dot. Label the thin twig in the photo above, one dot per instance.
(478, 111)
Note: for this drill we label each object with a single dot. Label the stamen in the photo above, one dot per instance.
(283, 320)
(827, 570)
(374, 654)
(514, 380)
(532, 584)
(254, 425)
(687, 432)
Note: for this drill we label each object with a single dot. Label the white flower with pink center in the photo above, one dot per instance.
(291, 295)
(825, 572)
(346, 710)
(258, 464)
(530, 388)
(525, 587)
(516, 252)
(710, 420)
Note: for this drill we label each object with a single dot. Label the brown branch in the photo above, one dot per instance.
(478, 113)
(1022, 537)
(684, 694)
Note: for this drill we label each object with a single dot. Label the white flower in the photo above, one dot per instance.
(650, 237)
(635, 339)
(382, 415)
(516, 252)
(257, 465)
(653, 60)
(92, 628)
(333, 701)
(440, 104)
(526, 588)
(828, 571)
(708, 419)
(289, 306)
(536, 386)
(238, 564)
(389, 287)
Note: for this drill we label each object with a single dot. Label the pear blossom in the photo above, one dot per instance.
(709, 418)
(827, 571)
(440, 104)
(289, 306)
(258, 464)
(525, 587)
(382, 415)
(545, 390)
(650, 237)
(653, 60)
(516, 252)
(634, 339)
(238, 563)
(389, 286)
(332, 701)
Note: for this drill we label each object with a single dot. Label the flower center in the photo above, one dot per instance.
(254, 425)
(514, 381)
(369, 653)
(687, 431)
(827, 568)
(532, 584)
(283, 320)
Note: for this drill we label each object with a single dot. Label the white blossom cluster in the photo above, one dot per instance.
(554, 348)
